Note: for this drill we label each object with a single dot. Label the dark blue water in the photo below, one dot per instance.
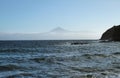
(59, 59)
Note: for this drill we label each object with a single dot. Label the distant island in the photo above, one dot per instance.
(112, 34)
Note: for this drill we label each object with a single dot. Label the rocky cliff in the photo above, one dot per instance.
(112, 34)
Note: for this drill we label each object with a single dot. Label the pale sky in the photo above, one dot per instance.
(38, 16)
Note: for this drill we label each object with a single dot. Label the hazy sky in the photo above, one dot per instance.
(27, 16)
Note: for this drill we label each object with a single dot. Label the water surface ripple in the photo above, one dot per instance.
(59, 59)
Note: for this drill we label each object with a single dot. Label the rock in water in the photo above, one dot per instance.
(112, 34)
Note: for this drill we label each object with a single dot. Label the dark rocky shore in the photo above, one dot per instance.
(112, 34)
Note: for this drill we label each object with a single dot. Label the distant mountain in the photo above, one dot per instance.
(59, 30)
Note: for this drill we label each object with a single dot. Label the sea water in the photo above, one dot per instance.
(59, 59)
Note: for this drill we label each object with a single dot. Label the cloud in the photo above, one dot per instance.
(55, 34)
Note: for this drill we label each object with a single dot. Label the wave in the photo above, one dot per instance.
(10, 67)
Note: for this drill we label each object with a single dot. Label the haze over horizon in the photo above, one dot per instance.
(57, 33)
(24, 19)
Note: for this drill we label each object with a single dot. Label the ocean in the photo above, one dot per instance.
(59, 59)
